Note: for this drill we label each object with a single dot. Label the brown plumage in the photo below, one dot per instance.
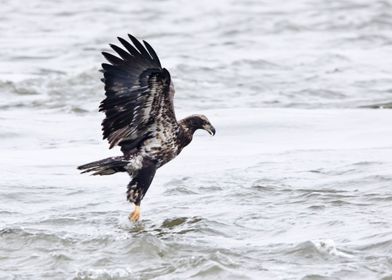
(140, 118)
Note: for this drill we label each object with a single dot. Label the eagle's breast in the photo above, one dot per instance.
(162, 146)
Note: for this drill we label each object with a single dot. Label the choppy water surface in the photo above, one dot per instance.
(295, 185)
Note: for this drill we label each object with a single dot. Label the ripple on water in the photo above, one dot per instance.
(27, 238)
(319, 277)
(318, 250)
(104, 274)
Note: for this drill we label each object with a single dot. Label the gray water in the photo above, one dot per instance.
(296, 184)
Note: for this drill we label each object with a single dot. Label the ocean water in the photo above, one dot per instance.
(296, 184)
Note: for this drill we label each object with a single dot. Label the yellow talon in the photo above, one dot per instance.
(135, 215)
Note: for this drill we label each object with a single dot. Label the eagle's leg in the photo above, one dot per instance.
(138, 187)
(135, 215)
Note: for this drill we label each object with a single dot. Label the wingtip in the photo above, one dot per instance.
(105, 54)
(122, 41)
(152, 53)
(131, 37)
(144, 42)
(135, 41)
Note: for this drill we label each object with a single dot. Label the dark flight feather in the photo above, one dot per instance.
(139, 46)
(152, 53)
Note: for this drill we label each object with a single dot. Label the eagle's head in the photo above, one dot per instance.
(195, 122)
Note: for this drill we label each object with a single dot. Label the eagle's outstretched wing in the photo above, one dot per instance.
(138, 93)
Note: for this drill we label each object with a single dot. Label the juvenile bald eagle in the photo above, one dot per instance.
(140, 118)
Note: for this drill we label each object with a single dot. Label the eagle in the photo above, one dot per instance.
(140, 118)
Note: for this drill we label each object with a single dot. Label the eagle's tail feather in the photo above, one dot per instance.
(105, 166)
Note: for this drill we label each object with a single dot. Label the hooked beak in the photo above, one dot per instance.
(210, 129)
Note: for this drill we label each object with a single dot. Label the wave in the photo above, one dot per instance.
(318, 249)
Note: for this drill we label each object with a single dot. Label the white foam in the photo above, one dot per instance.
(328, 247)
